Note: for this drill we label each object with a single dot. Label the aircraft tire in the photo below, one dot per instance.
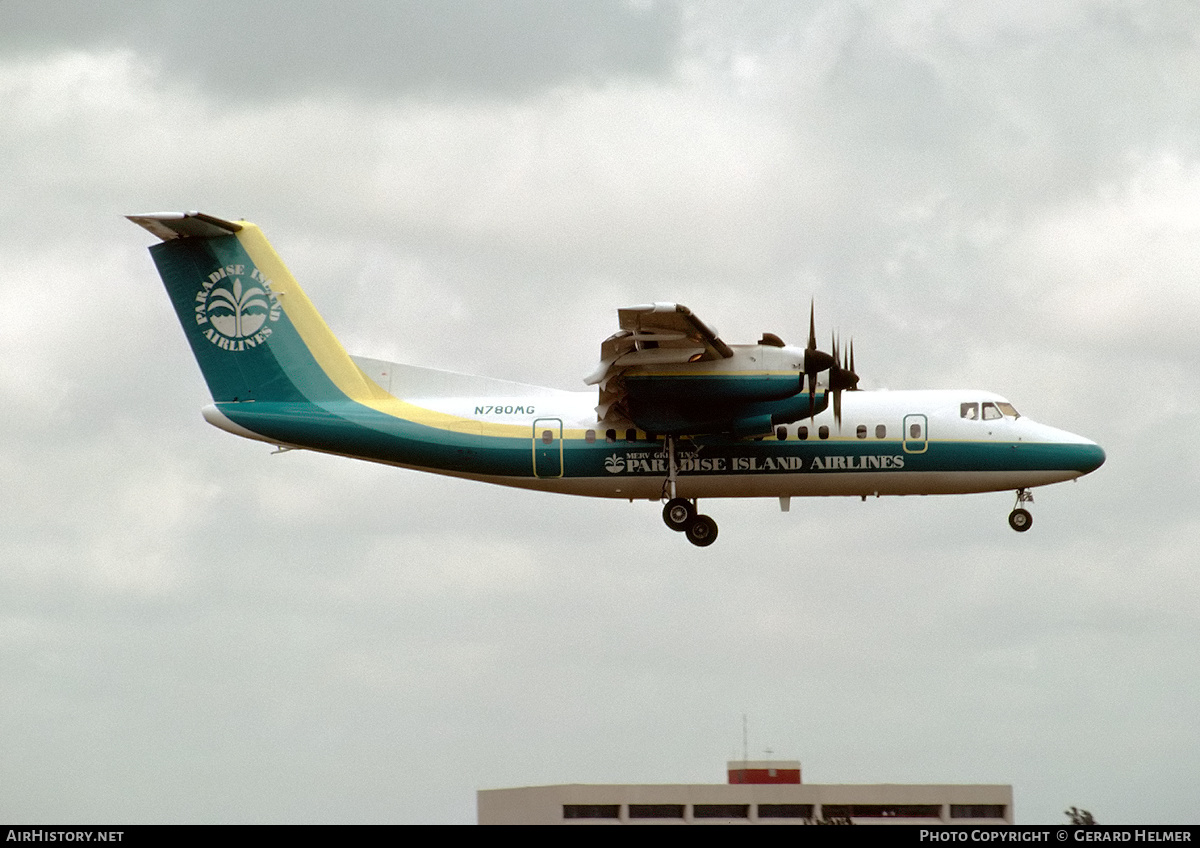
(702, 532)
(678, 514)
(1020, 520)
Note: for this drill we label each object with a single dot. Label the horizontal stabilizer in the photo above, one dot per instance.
(173, 225)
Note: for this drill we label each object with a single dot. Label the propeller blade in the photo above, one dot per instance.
(839, 364)
(835, 374)
(815, 361)
(812, 397)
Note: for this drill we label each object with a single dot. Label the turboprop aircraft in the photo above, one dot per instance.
(677, 413)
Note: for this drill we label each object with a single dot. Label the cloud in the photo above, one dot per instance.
(384, 50)
(1001, 197)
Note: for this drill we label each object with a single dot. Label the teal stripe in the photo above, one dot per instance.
(350, 428)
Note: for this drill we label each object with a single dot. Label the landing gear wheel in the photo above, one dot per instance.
(702, 532)
(679, 513)
(1020, 520)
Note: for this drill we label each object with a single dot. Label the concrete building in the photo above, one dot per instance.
(758, 792)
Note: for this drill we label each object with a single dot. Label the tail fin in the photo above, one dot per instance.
(253, 331)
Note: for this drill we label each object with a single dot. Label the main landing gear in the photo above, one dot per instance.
(680, 514)
(1020, 519)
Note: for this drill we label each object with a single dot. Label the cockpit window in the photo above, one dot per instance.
(970, 411)
(990, 413)
(1008, 409)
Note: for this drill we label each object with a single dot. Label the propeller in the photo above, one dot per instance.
(815, 361)
(842, 378)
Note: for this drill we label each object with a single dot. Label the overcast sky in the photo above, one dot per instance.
(1003, 196)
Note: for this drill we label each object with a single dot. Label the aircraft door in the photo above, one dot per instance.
(916, 435)
(547, 447)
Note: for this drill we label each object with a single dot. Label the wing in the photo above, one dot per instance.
(654, 334)
(657, 334)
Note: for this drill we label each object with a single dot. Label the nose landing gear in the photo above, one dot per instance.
(1020, 519)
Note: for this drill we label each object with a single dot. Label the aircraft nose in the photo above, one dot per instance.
(1090, 457)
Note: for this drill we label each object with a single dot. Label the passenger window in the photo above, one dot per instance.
(781, 433)
(881, 431)
(610, 436)
(990, 413)
(970, 411)
(914, 431)
(590, 435)
(547, 437)
(861, 431)
(823, 431)
(631, 435)
(802, 433)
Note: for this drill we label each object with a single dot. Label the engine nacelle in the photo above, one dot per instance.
(691, 418)
(705, 390)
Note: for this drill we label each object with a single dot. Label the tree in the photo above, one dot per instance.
(1075, 816)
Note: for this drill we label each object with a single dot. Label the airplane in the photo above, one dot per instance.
(676, 415)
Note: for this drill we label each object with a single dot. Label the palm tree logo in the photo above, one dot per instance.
(238, 312)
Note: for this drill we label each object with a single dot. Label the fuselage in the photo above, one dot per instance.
(513, 434)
